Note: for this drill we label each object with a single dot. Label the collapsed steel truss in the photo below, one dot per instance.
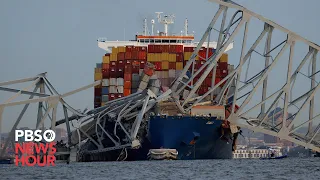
(285, 129)
(135, 107)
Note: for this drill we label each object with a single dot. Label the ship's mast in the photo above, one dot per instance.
(165, 20)
(186, 27)
(145, 26)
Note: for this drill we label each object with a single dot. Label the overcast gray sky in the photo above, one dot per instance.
(59, 37)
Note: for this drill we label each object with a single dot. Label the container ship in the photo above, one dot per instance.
(152, 61)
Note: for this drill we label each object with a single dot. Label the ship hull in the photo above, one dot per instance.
(192, 137)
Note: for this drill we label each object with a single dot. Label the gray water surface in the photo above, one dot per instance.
(291, 168)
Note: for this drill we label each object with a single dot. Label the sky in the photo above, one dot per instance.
(59, 37)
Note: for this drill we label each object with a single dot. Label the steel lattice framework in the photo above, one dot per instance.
(243, 94)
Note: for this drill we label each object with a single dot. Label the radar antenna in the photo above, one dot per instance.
(166, 20)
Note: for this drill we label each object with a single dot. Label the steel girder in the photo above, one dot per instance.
(259, 101)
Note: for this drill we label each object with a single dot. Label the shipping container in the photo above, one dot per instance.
(127, 84)
(179, 57)
(120, 63)
(142, 55)
(151, 57)
(135, 55)
(165, 65)
(121, 56)
(224, 58)
(135, 84)
(142, 64)
(113, 81)
(128, 68)
(120, 89)
(164, 56)
(105, 91)
(157, 48)
(172, 57)
(113, 57)
(172, 65)
(172, 73)
(105, 82)
(119, 95)
(150, 48)
(128, 56)
(158, 66)
(127, 92)
(179, 48)
(99, 65)
(127, 76)
(120, 81)
(114, 50)
(105, 66)
(172, 49)
(105, 74)
(120, 72)
(223, 65)
(106, 59)
(135, 69)
(112, 89)
(97, 70)
(112, 97)
(105, 98)
(129, 48)
(121, 49)
(135, 77)
(97, 92)
(97, 76)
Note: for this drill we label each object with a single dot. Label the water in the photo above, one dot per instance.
(291, 168)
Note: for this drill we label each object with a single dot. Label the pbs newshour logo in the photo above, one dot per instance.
(30, 135)
(36, 148)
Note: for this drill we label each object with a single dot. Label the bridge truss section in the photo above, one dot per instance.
(274, 82)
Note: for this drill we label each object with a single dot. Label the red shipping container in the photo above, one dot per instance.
(143, 48)
(142, 64)
(105, 73)
(129, 48)
(128, 55)
(172, 65)
(224, 73)
(113, 72)
(127, 76)
(119, 95)
(105, 66)
(113, 64)
(158, 66)
(97, 91)
(128, 62)
(127, 84)
(120, 64)
(208, 81)
(128, 68)
(202, 55)
(157, 48)
(142, 55)
(112, 97)
(135, 69)
(217, 80)
(121, 56)
(164, 48)
(135, 63)
(188, 49)
(120, 73)
(172, 48)
(179, 57)
(150, 48)
(135, 55)
(179, 48)
(223, 65)
(126, 92)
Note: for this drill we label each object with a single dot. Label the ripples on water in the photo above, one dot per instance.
(291, 168)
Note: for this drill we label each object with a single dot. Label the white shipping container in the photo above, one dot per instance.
(165, 74)
(154, 77)
(120, 81)
(113, 81)
(105, 82)
(141, 72)
(120, 89)
(158, 73)
(112, 89)
(172, 73)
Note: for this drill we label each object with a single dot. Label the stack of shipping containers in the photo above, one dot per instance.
(120, 71)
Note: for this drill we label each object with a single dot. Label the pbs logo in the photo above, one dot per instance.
(37, 135)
